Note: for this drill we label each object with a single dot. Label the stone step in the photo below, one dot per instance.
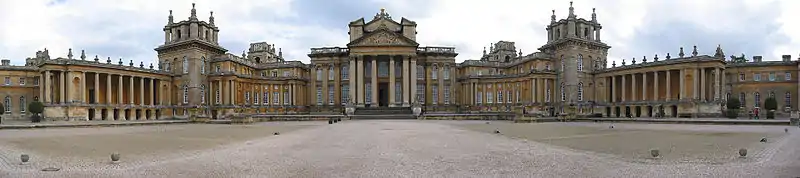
(384, 117)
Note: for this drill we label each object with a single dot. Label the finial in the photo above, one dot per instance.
(634, 61)
(194, 13)
(668, 56)
(571, 10)
(613, 63)
(83, 55)
(655, 58)
(211, 18)
(520, 52)
(151, 66)
(681, 53)
(131, 63)
(244, 55)
(120, 61)
(69, 55)
(108, 60)
(594, 16)
(553, 17)
(484, 50)
(141, 64)
(170, 21)
(694, 51)
(280, 52)
(719, 53)
(96, 59)
(644, 59)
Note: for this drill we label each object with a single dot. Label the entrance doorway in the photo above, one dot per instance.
(383, 94)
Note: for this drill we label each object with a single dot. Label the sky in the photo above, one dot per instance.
(131, 29)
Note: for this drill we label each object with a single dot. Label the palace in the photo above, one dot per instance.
(383, 67)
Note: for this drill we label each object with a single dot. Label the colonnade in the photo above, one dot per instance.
(527, 90)
(241, 93)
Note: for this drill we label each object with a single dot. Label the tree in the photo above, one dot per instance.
(733, 108)
(36, 108)
(770, 104)
(2, 110)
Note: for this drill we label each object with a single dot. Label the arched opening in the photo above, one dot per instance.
(650, 111)
(638, 111)
(147, 115)
(104, 114)
(116, 114)
(627, 111)
(258, 59)
(617, 111)
(508, 58)
(608, 111)
(91, 114)
(674, 109)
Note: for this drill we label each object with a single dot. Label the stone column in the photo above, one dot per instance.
(325, 84)
(374, 81)
(668, 84)
(119, 91)
(682, 78)
(352, 80)
(96, 88)
(153, 91)
(360, 79)
(702, 79)
(644, 86)
(108, 89)
(633, 87)
(141, 91)
(233, 92)
(391, 82)
(624, 88)
(223, 92)
(413, 81)
(614, 89)
(47, 87)
(533, 91)
(62, 85)
(130, 92)
(292, 95)
(655, 86)
(717, 87)
(83, 87)
(406, 80)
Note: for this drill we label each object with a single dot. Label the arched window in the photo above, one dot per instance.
(563, 94)
(420, 72)
(345, 72)
(788, 98)
(185, 65)
(22, 104)
(169, 64)
(580, 62)
(203, 94)
(7, 104)
(742, 101)
(580, 91)
(446, 72)
(185, 94)
(508, 58)
(434, 72)
(203, 65)
(547, 66)
(331, 72)
(319, 73)
(563, 64)
(757, 101)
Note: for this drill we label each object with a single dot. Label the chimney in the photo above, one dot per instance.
(787, 58)
(5, 62)
(756, 58)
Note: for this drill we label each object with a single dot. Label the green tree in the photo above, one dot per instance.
(733, 108)
(770, 104)
(36, 108)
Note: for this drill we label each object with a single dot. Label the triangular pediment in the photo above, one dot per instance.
(382, 23)
(383, 37)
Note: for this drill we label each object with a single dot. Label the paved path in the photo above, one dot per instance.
(389, 149)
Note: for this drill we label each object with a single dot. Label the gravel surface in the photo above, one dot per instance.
(388, 149)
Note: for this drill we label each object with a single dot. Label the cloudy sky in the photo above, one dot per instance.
(130, 29)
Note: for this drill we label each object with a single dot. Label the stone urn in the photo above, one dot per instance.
(115, 157)
(742, 152)
(417, 110)
(24, 158)
(349, 110)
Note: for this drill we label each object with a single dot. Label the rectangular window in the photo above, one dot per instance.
(434, 73)
(319, 74)
(757, 77)
(772, 76)
(787, 76)
(435, 94)
(345, 94)
(286, 97)
(217, 68)
(788, 99)
(479, 98)
(508, 96)
(22, 81)
(446, 73)
(246, 98)
(741, 77)
(255, 98)
(742, 102)
(345, 73)
(265, 100)
(331, 93)
(7, 81)
(287, 73)
(368, 93)
(421, 94)
(383, 69)
(447, 94)
(499, 96)
(420, 72)
(489, 97)
(36, 81)
(398, 92)
(276, 96)
(217, 96)
(331, 73)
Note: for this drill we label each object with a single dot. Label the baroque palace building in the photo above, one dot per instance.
(381, 66)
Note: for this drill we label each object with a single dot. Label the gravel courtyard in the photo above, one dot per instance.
(403, 149)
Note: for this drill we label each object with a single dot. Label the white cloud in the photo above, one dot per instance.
(130, 29)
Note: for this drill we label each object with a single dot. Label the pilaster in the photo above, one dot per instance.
(391, 82)
(360, 79)
(406, 80)
(413, 81)
(374, 83)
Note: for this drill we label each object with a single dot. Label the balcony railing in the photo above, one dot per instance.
(441, 50)
(327, 50)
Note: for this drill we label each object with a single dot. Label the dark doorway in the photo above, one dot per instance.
(650, 111)
(91, 97)
(383, 94)
(674, 111)
(91, 114)
(608, 111)
(638, 111)
(616, 111)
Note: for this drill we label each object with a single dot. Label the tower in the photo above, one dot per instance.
(577, 52)
(188, 47)
(502, 51)
(262, 52)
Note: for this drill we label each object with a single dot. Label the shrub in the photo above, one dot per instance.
(36, 108)
(770, 104)
(733, 103)
(770, 114)
(732, 113)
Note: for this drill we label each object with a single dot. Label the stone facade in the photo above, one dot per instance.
(382, 65)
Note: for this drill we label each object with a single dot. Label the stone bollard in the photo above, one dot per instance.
(742, 153)
(655, 153)
(115, 157)
(24, 158)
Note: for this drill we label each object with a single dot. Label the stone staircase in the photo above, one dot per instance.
(383, 113)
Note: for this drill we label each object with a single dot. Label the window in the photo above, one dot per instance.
(345, 94)
(202, 65)
(368, 68)
(263, 74)
(36, 81)
(345, 71)
(398, 92)
(217, 96)
(547, 66)
(246, 98)
(508, 96)
(772, 76)
(168, 67)
(274, 73)
(286, 95)
(580, 91)
(499, 94)
(446, 73)
(287, 73)
(203, 94)
(580, 62)
(563, 64)
(757, 77)
(185, 65)
(22, 81)
(7, 104)
(7, 81)
(563, 94)
(742, 99)
(787, 76)
(421, 93)
(331, 93)
(420, 72)
(331, 73)
(185, 94)
(479, 97)
(22, 104)
(434, 73)
(788, 98)
(265, 100)
(398, 69)
(741, 76)
(276, 96)
(383, 69)
(489, 95)
(447, 94)
(217, 68)
(435, 94)
(547, 92)
(368, 93)
(319, 73)
(757, 99)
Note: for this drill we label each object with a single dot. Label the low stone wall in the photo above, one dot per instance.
(478, 116)
(265, 118)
